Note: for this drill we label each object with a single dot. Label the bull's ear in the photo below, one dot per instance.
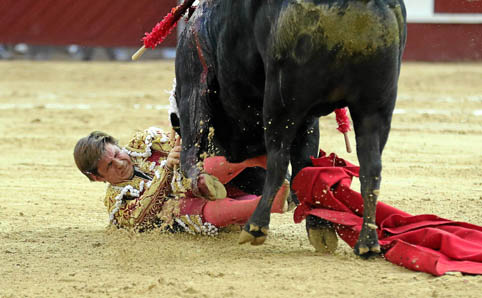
(175, 123)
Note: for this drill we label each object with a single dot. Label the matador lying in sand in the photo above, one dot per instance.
(146, 189)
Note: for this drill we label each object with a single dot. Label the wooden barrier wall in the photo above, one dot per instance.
(83, 22)
(443, 42)
(124, 22)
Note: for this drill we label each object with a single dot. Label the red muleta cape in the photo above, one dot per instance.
(424, 243)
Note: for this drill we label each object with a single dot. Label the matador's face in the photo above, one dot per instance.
(115, 165)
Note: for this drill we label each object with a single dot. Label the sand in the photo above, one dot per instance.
(54, 240)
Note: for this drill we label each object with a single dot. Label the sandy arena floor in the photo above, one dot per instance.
(54, 240)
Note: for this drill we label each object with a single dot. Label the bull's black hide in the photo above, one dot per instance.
(261, 72)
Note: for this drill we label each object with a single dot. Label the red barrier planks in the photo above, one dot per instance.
(124, 22)
(458, 6)
(444, 42)
(85, 22)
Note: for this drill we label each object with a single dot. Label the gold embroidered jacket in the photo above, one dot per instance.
(137, 203)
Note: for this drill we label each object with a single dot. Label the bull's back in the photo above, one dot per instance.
(346, 29)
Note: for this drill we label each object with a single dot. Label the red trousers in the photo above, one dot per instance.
(231, 210)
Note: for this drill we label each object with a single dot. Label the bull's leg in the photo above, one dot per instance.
(202, 185)
(304, 146)
(371, 131)
(195, 86)
(278, 140)
(194, 128)
(250, 180)
(256, 229)
(321, 233)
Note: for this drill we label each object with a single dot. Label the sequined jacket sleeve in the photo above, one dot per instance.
(144, 142)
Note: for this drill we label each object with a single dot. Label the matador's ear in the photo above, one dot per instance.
(96, 178)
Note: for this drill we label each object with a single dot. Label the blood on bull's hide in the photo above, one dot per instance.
(261, 73)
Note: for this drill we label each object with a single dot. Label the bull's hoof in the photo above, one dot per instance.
(291, 202)
(322, 234)
(253, 234)
(367, 245)
(366, 251)
(211, 188)
(324, 240)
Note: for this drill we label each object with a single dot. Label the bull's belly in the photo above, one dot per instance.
(242, 130)
(243, 144)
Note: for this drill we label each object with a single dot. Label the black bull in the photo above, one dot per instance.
(261, 73)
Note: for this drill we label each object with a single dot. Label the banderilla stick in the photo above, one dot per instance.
(139, 53)
(347, 142)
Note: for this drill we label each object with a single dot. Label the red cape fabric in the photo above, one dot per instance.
(424, 243)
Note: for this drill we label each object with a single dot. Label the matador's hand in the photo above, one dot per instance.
(175, 154)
